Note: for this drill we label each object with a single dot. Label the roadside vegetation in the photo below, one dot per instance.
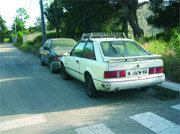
(32, 46)
(169, 48)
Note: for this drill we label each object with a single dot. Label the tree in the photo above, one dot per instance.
(165, 14)
(80, 16)
(54, 15)
(3, 30)
(21, 19)
(38, 24)
(127, 11)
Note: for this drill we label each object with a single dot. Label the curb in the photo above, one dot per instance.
(170, 85)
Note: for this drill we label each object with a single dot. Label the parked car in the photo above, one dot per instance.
(111, 64)
(53, 49)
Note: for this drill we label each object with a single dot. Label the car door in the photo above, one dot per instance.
(88, 60)
(73, 61)
(43, 50)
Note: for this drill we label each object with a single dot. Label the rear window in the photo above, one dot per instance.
(63, 43)
(122, 49)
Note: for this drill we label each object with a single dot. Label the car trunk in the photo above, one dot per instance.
(133, 66)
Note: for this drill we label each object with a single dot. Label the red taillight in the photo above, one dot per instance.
(159, 70)
(56, 58)
(151, 70)
(122, 73)
(155, 70)
(114, 74)
(110, 74)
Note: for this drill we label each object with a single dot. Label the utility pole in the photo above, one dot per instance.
(43, 21)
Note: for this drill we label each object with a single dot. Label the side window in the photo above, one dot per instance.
(78, 49)
(89, 51)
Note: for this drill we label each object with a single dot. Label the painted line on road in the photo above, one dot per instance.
(22, 122)
(156, 123)
(94, 129)
(176, 107)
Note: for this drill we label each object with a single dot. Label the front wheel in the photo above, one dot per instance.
(90, 87)
(64, 74)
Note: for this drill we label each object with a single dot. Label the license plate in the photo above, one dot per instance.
(137, 72)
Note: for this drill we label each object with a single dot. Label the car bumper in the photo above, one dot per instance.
(128, 83)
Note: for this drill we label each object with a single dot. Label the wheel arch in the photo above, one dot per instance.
(86, 73)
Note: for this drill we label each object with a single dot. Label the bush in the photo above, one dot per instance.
(172, 67)
(20, 37)
(166, 44)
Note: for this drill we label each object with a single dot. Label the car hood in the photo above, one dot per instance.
(61, 51)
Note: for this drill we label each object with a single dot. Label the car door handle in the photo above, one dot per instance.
(77, 61)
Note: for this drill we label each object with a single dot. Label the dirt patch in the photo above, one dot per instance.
(165, 94)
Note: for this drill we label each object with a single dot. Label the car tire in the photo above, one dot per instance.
(42, 62)
(90, 87)
(64, 74)
(52, 68)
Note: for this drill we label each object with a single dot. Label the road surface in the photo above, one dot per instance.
(34, 101)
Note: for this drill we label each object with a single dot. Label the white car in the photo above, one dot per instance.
(111, 64)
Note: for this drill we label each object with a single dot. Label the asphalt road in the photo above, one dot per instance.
(34, 101)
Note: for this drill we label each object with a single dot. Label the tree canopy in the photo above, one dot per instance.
(3, 29)
(76, 17)
(165, 13)
(20, 19)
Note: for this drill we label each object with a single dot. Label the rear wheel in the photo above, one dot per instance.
(90, 88)
(64, 74)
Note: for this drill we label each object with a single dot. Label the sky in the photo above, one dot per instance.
(8, 10)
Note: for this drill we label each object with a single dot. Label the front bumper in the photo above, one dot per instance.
(128, 83)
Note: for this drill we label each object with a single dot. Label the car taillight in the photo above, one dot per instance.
(154, 70)
(151, 70)
(56, 58)
(122, 73)
(159, 70)
(114, 74)
(110, 74)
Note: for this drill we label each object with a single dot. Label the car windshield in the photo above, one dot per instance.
(122, 49)
(63, 43)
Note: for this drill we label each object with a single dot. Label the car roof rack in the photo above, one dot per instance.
(89, 36)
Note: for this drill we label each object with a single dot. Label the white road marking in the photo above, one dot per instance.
(22, 122)
(95, 129)
(176, 106)
(156, 123)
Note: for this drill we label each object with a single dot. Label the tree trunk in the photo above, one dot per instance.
(56, 19)
(57, 30)
(137, 31)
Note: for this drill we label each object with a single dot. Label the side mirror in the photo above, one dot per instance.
(66, 54)
(46, 48)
